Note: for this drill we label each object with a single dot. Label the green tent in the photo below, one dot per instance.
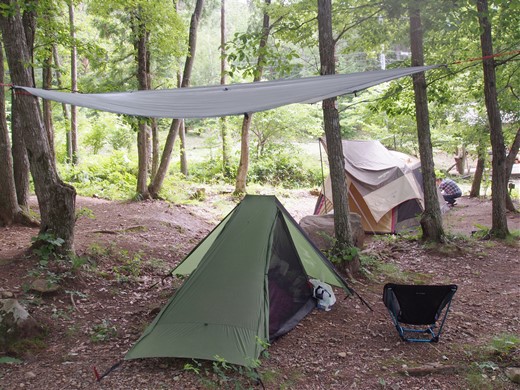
(247, 285)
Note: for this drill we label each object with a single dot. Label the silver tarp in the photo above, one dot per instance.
(223, 100)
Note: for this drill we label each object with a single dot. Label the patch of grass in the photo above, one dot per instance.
(72, 331)
(27, 346)
(452, 248)
(282, 380)
(485, 372)
(158, 265)
(375, 269)
(482, 232)
(130, 267)
(103, 331)
(9, 360)
(96, 249)
(513, 239)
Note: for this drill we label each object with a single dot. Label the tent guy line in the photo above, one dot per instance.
(230, 99)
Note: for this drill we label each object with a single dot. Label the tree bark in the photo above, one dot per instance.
(74, 87)
(499, 227)
(158, 180)
(477, 177)
(47, 104)
(20, 158)
(155, 147)
(9, 208)
(66, 115)
(56, 199)
(143, 130)
(510, 160)
(183, 156)
(342, 228)
(243, 166)
(431, 220)
(223, 65)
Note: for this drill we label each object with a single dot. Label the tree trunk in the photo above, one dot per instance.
(460, 160)
(223, 121)
(158, 180)
(431, 220)
(66, 115)
(477, 177)
(155, 147)
(499, 227)
(183, 157)
(20, 158)
(9, 207)
(73, 87)
(10, 211)
(47, 104)
(342, 228)
(143, 139)
(510, 160)
(143, 130)
(243, 166)
(56, 199)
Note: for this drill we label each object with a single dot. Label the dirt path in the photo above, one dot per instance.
(97, 315)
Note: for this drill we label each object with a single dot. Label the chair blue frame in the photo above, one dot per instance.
(417, 306)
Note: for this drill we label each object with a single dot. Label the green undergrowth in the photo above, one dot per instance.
(487, 362)
(377, 270)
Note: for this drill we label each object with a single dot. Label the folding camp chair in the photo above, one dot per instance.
(418, 306)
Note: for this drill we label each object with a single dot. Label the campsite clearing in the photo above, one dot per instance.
(99, 314)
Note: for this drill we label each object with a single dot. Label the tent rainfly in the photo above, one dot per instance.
(384, 187)
(223, 100)
(247, 285)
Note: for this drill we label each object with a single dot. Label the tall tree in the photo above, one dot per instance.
(342, 227)
(20, 158)
(66, 116)
(158, 180)
(431, 220)
(47, 104)
(141, 36)
(513, 151)
(10, 211)
(499, 227)
(56, 200)
(481, 164)
(243, 166)
(154, 31)
(223, 80)
(74, 86)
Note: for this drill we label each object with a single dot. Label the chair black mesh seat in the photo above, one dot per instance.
(417, 306)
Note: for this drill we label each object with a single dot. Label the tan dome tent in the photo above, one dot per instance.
(384, 187)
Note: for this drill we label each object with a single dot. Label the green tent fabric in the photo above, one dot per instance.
(247, 285)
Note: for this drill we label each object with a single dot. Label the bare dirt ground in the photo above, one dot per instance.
(101, 310)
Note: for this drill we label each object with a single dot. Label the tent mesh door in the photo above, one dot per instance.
(290, 295)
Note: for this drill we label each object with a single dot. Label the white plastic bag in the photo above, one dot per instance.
(323, 294)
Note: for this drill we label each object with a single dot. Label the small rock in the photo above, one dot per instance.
(30, 375)
(44, 286)
(342, 354)
(6, 294)
(513, 373)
